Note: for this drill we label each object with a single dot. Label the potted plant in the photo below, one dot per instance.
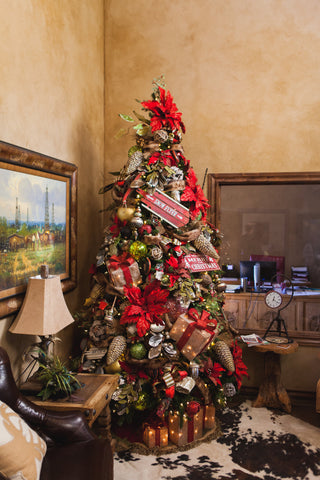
(56, 380)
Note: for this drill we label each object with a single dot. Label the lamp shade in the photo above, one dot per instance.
(44, 311)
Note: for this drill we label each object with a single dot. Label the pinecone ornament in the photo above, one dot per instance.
(224, 355)
(116, 349)
(204, 246)
(133, 162)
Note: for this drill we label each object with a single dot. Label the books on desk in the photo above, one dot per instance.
(300, 276)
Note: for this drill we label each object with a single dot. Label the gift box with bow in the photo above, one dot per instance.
(155, 436)
(193, 333)
(187, 430)
(123, 270)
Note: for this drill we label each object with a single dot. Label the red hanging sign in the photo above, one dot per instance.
(200, 263)
(165, 207)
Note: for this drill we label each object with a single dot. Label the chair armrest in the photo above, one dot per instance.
(61, 427)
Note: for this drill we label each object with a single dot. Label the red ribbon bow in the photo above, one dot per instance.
(203, 322)
(123, 262)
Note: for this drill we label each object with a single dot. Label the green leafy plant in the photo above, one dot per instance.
(57, 381)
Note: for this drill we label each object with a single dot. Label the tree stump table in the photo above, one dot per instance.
(272, 392)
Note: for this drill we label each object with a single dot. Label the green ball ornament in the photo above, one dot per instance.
(142, 402)
(138, 250)
(138, 351)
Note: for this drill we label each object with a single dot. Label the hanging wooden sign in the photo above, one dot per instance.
(165, 207)
(200, 263)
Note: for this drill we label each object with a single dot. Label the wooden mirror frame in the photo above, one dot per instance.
(215, 183)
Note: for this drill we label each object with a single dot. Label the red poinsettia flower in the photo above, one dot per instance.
(193, 193)
(165, 157)
(175, 270)
(116, 226)
(165, 112)
(145, 307)
(213, 371)
(241, 369)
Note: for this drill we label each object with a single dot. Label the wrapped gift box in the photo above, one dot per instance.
(190, 430)
(190, 339)
(155, 436)
(209, 417)
(123, 270)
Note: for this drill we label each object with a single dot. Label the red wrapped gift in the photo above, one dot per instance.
(190, 430)
(193, 333)
(123, 270)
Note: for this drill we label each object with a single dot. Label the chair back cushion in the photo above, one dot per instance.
(21, 448)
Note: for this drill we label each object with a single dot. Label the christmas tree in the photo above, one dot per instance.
(155, 311)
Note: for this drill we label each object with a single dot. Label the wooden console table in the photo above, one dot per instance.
(92, 399)
(272, 392)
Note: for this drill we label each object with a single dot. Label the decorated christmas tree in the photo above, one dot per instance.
(155, 311)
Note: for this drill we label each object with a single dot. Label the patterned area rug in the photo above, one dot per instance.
(256, 443)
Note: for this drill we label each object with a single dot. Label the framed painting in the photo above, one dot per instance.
(38, 222)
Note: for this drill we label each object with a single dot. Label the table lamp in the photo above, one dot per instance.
(44, 311)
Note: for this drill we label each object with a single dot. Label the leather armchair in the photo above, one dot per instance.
(74, 452)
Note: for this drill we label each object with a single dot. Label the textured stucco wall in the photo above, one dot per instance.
(244, 73)
(51, 101)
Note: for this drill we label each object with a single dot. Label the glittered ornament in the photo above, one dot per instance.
(156, 253)
(138, 351)
(223, 352)
(138, 250)
(116, 349)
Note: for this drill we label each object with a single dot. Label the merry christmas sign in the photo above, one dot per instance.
(165, 207)
(200, 263)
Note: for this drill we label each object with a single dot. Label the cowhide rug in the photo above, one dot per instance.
(256, 443)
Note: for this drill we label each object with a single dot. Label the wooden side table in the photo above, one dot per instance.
(93, 399)
(272, 392)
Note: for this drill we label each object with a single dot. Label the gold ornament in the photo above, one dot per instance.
(116, 349)
(224, 355)
(204, 246)
(113, 368)
(125, 213)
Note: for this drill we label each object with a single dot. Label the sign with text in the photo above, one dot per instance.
(200, 263)
(165, 207)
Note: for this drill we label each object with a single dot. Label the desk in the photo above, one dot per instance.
(272, 392)
(92, 399)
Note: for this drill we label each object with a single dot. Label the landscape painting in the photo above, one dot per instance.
(33, 225)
